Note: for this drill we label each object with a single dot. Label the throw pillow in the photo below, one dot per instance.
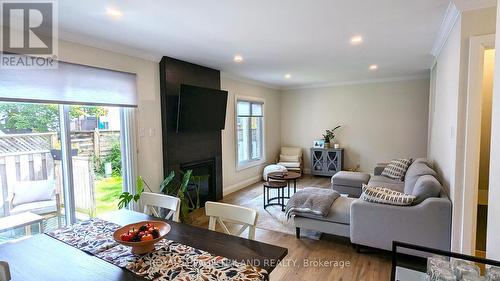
(289, 158)
(383, 195)
(33, 191)
(396, 170)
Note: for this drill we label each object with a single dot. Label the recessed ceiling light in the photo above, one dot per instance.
(356, 40)
(373, 67)
(288, 76)
(238, 58)
(114, 12)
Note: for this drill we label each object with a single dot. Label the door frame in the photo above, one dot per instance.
(477, 46)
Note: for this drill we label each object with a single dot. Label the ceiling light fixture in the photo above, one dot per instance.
(288, 76)
(114, 12)
(238, 58)
(356, 40)
(373, 67)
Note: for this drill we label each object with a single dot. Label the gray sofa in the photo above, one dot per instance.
(426, 223)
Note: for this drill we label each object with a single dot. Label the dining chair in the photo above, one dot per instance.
(150, 201)
(4, 271)
(221, 213)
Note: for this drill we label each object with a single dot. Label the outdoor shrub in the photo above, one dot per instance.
(115, 158)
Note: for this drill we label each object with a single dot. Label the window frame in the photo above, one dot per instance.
(241, 165)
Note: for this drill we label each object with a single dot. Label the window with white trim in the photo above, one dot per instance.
(249, 131)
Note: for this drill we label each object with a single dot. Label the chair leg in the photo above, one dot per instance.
(297, 232)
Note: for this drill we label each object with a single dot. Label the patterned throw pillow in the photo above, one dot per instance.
(396, 170)
(383, 195)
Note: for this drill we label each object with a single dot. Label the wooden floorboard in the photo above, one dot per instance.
(340, 260)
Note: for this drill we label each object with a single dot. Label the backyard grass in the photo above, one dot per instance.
(107, 192)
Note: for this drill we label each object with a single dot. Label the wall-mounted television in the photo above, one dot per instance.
(201, 109)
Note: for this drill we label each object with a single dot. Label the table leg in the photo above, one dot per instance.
(294, 186)
(27, 230)
(282, 200)
(41, 227)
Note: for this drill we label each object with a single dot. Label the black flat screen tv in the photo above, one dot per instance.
(201, 109)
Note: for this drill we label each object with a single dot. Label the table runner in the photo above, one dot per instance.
(170, 260)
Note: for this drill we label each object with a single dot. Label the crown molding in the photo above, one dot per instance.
(468, 5)
(358, 82)
(449, 20)
(241, 79)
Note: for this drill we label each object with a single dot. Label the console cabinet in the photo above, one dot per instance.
(326, 161)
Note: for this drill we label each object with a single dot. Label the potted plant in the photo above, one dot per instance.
(190, 197)
(329, 136)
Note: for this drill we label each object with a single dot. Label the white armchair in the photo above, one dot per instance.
(291, 158)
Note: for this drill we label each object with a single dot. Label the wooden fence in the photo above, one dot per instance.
(88, 143)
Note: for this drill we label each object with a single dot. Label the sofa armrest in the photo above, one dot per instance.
(377, 225)
(377, 171)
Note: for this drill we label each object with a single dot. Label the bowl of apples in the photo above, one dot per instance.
(142, 236)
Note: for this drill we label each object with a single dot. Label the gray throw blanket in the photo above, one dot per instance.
(311, 200)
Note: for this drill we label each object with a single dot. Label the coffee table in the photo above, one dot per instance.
(288, 177)
(25, 219)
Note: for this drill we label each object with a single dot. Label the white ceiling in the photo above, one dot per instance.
(308, 39)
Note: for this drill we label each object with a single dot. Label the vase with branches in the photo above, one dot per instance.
(329, 135)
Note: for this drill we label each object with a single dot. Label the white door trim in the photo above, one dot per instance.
(478, 44)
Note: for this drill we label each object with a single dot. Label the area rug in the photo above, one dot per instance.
(273, 218)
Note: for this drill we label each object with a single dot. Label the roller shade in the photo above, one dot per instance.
(69, 84)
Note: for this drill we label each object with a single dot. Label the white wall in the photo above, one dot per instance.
(380, 121)
(149, 160)
(492, 245)
(444, 108)
(447, 123)
(234, 179)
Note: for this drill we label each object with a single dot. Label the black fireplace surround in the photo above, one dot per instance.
(198, 151)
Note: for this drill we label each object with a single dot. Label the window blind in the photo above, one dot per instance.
(69, 84)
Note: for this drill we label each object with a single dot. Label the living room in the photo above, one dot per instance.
(398, 81)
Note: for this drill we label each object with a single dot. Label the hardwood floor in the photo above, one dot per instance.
(339, 261)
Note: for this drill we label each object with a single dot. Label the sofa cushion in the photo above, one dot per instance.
(383, 195)
(33, 191)
(40, 207)
(339, 211)
(426, 186)
(415, 171)
(352, 179)
(396, 169)
(289, 158)
(386, 182)
(289, 164)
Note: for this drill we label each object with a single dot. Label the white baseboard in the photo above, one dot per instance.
(237, 186)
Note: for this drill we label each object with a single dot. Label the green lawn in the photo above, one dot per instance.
(107, 192)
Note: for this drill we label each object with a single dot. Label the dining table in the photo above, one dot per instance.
(41, 257)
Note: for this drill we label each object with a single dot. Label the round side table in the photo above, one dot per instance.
(287, 177)
(280, 198)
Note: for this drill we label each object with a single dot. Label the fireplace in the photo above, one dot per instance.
(203, 180)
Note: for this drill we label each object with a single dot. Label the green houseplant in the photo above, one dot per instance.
(329, 135)
(187, 189)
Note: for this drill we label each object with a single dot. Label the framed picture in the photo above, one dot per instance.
(319, 144)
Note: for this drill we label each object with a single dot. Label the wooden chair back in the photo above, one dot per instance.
(221, 213)
(150, 201)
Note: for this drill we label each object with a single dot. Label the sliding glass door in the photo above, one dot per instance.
(61, 162)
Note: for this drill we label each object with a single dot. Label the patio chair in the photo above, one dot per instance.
(38, 197)
(221, 212)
